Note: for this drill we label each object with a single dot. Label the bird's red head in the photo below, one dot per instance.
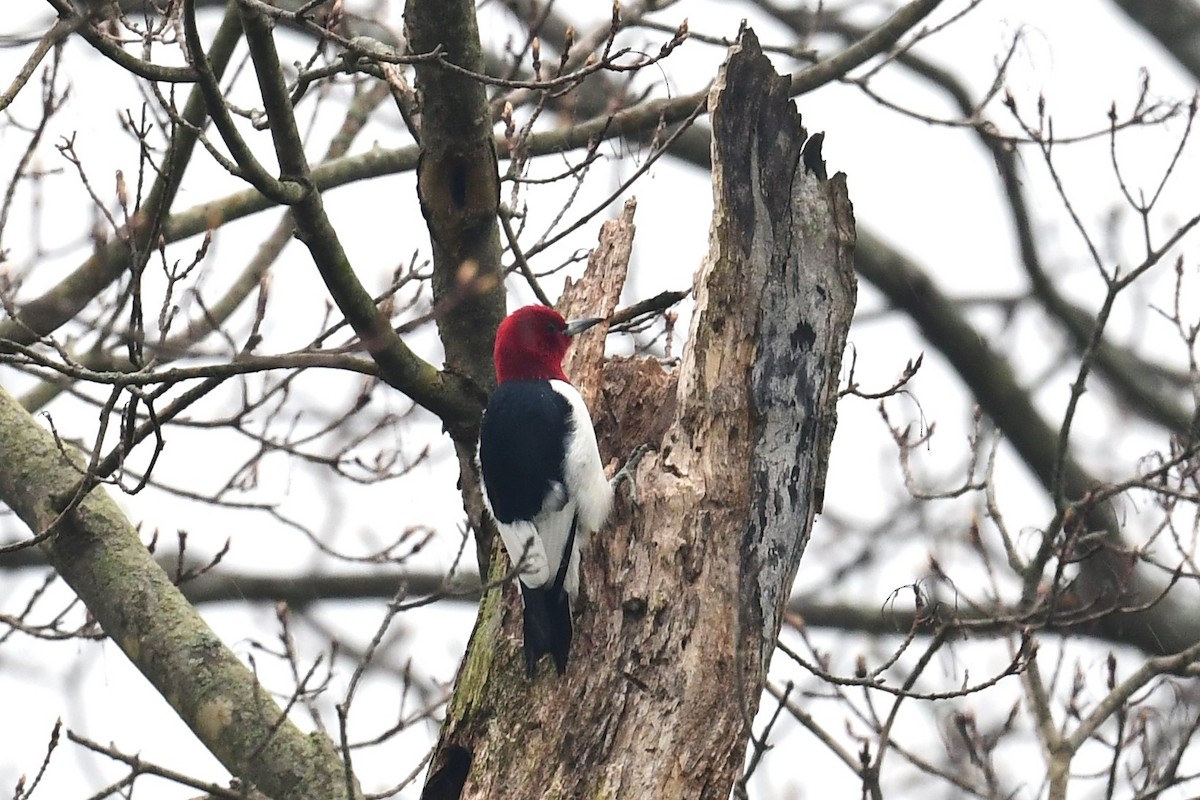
(531, 343)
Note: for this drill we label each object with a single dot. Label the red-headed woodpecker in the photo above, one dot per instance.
(542, 477)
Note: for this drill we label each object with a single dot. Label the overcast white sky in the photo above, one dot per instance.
(929, 190)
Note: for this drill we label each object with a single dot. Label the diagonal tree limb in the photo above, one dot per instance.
(98, 553)
(1141, 384)
(280, 190)
(1167, 626)
(1174, 23)
(116, 53)
(442, 393)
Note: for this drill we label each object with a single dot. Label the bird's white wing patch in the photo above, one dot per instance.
(527, 550)
(583, 473)
(555, 527)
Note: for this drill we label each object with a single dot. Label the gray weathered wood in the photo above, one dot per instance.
(683, 595)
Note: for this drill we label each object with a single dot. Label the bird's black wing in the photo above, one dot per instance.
(522, 447)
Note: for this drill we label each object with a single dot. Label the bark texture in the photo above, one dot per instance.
(459, 186)
(682, 594)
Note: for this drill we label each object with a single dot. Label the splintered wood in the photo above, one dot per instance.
(683, 593)
(596, 294)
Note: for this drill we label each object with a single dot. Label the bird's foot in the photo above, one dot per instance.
(626, 473)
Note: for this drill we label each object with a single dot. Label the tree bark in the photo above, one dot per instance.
(682, 598)
(459, 187)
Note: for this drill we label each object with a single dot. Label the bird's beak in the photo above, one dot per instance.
(577, 326)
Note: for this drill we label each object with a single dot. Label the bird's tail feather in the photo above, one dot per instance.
(547, 626)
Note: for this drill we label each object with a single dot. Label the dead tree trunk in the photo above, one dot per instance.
(683, 594)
